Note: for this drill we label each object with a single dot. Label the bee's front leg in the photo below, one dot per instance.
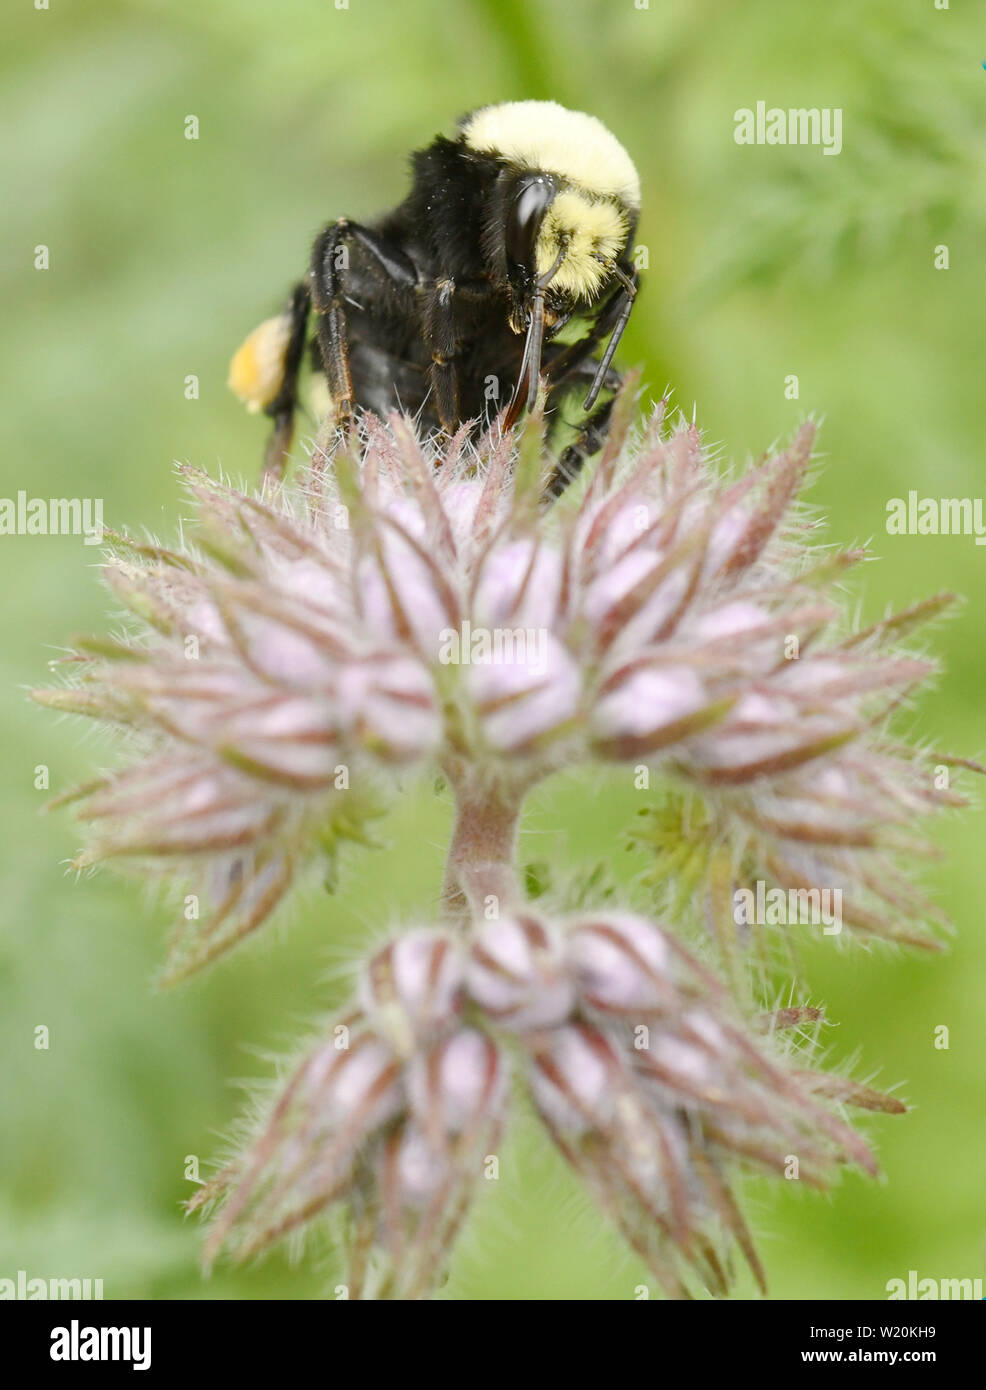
(590, 438)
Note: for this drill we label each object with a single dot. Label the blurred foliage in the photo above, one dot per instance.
(764, 262)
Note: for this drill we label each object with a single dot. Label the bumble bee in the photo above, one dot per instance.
(451, 306)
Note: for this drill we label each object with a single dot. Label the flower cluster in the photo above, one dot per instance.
(416, 608)
(635, 1063)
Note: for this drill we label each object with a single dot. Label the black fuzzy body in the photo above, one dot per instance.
(421, 310)
(439, 227)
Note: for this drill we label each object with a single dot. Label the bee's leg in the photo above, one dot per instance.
(590, 438)
(282, 408)
(329, 264)
(571, 359)
(443, 340)
(440, 333)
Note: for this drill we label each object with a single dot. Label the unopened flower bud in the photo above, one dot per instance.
(629, 528)
(518, 975)
(648, 703)
(420, 1168)
(531, 693)
(456, 1084)
(571, 1081)
(360, 1080)
(519, 586)
(621, 964)
(411, 988)
(400, 589)
(740, 621)
(389, 707)
(634, 599)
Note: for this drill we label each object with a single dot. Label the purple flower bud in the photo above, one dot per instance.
(518, 975)
(460, 502)
(314, 582)
(646, 702)
(456, 1084)
(572, 1081)
(421, 1169)
(356, 1081)
(389, 707)
(519, 586)
(726, 538)
(530, 695)
(401, 592)
(634, 600)
(411, 989)
(614, 533)
(621, 963)
(765, 734)
(687, 1066)
(729, 620)
(335, 1103)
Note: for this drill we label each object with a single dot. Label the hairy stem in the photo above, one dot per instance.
(480, 860)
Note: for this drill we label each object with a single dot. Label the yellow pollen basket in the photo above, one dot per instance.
(257, 369)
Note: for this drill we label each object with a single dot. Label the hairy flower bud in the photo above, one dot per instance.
(388, 707)
(456, 1083)
(528, 695)
(622, 964)
(335, 1102)
(410, 990)
(570, 1081)
(520, 585)
(647, 708)
(517, 973)
(421, 1168)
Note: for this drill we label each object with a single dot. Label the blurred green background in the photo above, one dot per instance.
(764, 262)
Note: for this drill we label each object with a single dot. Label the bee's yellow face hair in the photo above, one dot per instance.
(593, 235)
(590, 217)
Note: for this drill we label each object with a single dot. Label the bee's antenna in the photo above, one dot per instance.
(630, 294)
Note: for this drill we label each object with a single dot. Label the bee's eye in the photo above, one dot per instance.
(530, 200)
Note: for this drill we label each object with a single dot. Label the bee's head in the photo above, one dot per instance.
(564, 207)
